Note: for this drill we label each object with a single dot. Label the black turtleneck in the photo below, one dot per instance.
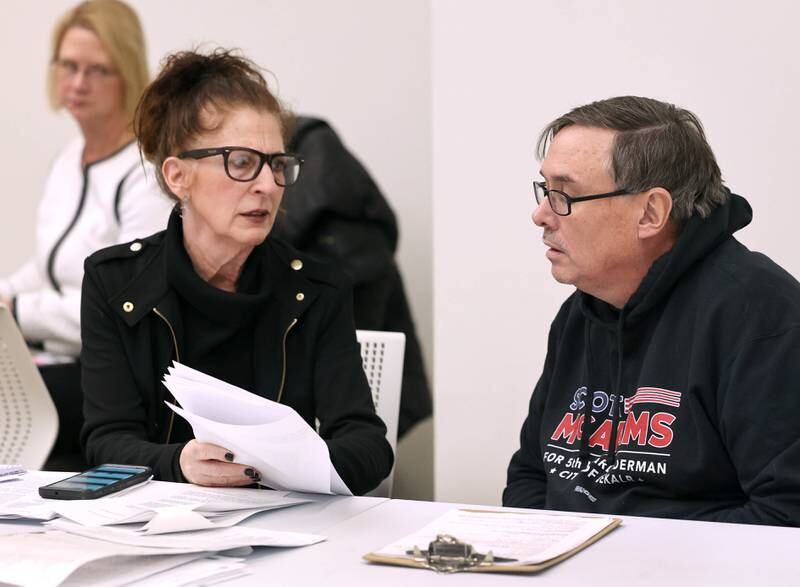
(219, 326)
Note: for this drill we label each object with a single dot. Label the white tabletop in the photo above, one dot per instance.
(642, 551)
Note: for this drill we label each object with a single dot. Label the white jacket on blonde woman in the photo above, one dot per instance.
(84, 208)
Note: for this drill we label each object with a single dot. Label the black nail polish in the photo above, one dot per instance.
(250, 473)
(229, 457)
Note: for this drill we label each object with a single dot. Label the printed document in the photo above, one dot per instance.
(264, 434)
(19, 498)
(198, 541)
(10, 472)
(520, 538)
(174, 507)
(50, 558)
(209, 570)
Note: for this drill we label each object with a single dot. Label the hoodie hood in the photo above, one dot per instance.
(697, 239)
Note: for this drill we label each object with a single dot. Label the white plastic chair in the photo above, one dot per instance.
(28, 417)
(382, 356)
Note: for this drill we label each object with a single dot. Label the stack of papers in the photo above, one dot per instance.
(185, 542)
(175, 507)
(9, 472)
(158, 533)
(159, 570)
(113, 557)
(19, 499)
(266, 435)
(166, 507)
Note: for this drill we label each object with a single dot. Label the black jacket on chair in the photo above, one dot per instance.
(337, 213)
(305, 344)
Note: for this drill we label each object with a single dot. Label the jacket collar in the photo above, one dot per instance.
(149, 288)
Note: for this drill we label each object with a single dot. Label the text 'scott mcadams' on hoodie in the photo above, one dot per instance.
(685, 403)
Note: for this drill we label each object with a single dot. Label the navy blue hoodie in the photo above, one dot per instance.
(685, 403)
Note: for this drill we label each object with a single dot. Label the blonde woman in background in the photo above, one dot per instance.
(98, 193)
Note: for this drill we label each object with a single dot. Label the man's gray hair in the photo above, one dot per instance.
(657, 145)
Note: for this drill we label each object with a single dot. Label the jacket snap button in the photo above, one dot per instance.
(300, 297)
(136, 247)
(296, 264)
(128, 307)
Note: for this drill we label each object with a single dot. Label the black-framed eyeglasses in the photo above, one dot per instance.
(561, 203)
(244, 164)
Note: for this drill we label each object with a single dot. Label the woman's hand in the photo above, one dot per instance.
(212, 466)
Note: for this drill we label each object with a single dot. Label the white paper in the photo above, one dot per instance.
(116, 571)
(20, 487)
(11, 469)
(266, 435)
(11, 472)
(179, 518)
(19, 499)
(208, 570)
(527, 538)
(160, 496)
(10, 527)
(32, 508)
(198, 541)
(48, 559)
(184, 518)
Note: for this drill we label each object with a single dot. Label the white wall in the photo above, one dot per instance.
(500, 73)
(364, 66)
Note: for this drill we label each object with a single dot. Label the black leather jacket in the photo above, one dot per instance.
(337, 213)
(131, 331)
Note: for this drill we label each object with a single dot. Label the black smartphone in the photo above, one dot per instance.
(97, 482)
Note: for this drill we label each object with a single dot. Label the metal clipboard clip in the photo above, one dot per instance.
(447, 554)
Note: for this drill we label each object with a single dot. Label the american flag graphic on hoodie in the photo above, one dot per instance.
(653, 395)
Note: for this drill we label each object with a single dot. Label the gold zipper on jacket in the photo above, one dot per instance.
(177, 358)
(283, 374)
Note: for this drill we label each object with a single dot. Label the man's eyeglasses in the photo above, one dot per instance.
(244, 164)
(561, 203)
(67, 69)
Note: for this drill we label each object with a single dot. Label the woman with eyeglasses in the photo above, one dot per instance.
(97, 194)
(214, 292)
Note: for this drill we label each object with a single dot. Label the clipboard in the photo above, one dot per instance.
(447, 554)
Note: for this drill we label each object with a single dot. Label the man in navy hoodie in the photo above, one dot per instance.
(671, 385)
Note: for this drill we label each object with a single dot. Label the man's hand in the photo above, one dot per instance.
(212, 466)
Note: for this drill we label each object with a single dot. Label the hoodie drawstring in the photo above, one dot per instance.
(587, 408)
(619, 399)
(618, 396)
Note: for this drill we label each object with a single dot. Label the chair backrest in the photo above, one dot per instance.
(382, 357)
(28, 418)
